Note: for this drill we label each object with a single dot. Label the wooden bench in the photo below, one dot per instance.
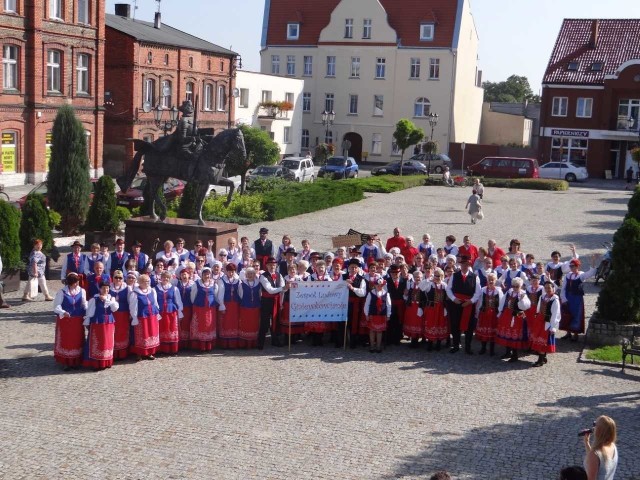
(436, 176)
(631, 346)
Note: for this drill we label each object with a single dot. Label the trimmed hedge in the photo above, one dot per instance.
(10, 218)
(388, 183)
(527, 183)
(298, 198)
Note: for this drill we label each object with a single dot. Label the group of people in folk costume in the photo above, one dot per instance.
(197, 299)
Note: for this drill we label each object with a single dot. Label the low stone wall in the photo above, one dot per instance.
(600, 334)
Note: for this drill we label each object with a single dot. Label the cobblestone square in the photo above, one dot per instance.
(323, 413)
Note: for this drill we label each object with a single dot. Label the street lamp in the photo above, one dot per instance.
(433, 121)
(327, 120)
(165, 125)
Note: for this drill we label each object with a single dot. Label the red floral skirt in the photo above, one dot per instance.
(248, 326)
(487, 325)
(185, 327)
(98, 352)
(542, 341)
(377, 323)
(512, 331)
(436, 326)
(413, 325)
(69, 341)
(228, 325)
(296, 327)
(357, 318)
(146, 336)
(121, 335)
(169, 336)
(203, 328)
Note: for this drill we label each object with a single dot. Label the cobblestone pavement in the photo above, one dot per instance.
(320, 413)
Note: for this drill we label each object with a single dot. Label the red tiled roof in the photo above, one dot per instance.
(314, 15)
(617, 42)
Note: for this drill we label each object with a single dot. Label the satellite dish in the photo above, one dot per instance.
(146, 107)
(236, 92)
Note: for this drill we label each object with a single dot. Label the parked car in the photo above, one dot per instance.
(410, 167)
(506, 167)
(271, 171)
(339, 167)
(132, 198)
(302, 168)
(563, 171)
(42, 189)
(438, 161)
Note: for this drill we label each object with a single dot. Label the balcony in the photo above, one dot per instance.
(274, 110)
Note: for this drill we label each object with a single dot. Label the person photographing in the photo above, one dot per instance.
(601, 459)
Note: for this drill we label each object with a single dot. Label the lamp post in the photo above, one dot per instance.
(165, 125)
(327, 120)
(433, 121)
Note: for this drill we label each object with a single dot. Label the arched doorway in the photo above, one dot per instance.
(355, 150)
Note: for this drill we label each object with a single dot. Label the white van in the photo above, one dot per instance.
(301, 167)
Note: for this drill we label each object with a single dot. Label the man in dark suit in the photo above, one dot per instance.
(463, 292)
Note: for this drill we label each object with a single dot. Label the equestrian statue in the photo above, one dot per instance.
(188, 156)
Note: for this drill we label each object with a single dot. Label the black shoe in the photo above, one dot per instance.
(483, 350)
(544, 359)
(379, 350)
(566, 337)
(454, 350)
(537, 364)
(574, 338)
(414, 343)
(430, 346)
(492, 349)
(468, 351)
(438, 345)
(372, 350)
(514, 357)
(507, 354)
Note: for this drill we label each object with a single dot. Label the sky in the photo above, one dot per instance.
(516, 36)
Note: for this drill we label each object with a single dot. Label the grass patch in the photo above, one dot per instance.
(527, 183)
(388, 183)
(611, 353)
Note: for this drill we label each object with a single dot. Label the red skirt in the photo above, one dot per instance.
(512, 336)
(203, 328)
(99, 348)
(185, 326)
(248, 326)
(296, 327)
(169, 336)
(69, 341)
(413, 325)
(318, 327)
(121, 335)
(377, 323)
(146, 336)
(82, 281)
(542, 341)
(487, 325)
(228, 325)
(436, 326)
(357, 318)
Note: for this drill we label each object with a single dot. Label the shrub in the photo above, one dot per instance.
(102, 216)
(54, 219)
(634, 205)
(123, 214)
(298, 198)
(389, 183)
(10, 237)
(241, 206)
(264, 185)
(68, 181)
(35, 224)
(619, 301)
(527, 183)
(189, 202)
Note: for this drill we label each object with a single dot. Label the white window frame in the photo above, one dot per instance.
(54, 71)
(584, 107)
(329, 102)
(381, 67)
(328, 137)
(55, 9)
(275, 64)
(290, 97)
(265, 96)
(82, 74)
(559, 106)
(306, 102)
(293, 31)
(378, 99)
(208, 97)
(244, 98)
(331, 66)
(286, 135)
(308, 66)
(149, 93)
(10, 70)
(376, 144)
(427, 32)
(189, 88)
(10, 6)
(305, 138)
(414, 68)
(353, 104)
(221, 103)
(83, 12)
(291, 65)
(348, 28)
(166, 99)
(421, 107)
(434, 69)
(355, 67)
(367, 27)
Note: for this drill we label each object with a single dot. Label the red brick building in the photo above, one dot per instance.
(52, 54)
(150, 64)
(591, 95)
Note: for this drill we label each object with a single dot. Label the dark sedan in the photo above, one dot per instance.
(271, 171)
(410, 167)
(132, 198)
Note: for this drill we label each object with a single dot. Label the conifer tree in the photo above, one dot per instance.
(103, 214)
(9, 236)
(35, 224)
(188, 202)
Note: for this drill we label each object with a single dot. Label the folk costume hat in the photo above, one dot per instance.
(290, 250)
(137, 244)
(354, 261)
(264, 230)
(77, 244)
(119, 242)
(271, 260)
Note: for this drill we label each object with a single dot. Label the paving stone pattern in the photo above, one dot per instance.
(322, 413)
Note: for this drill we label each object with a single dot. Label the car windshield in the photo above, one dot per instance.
(336, 162)
(292, 164)
(139, 183)
(40, 189)
(263, 170)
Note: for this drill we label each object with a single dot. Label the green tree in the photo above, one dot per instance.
(406, 135)
(619, 301)
(188, 202)
(34, 224)
(261, 150)
(103, 214)
(10, 236)
(68, 182)
(514, 89)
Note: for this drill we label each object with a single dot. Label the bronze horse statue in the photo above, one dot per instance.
(224, 150)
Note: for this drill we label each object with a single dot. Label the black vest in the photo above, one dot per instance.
(263, 251)
(467, 287)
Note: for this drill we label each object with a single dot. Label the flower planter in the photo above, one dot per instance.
(601, 334)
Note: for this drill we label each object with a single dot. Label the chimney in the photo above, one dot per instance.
(123, 10)
(595, 26)
(157, 22)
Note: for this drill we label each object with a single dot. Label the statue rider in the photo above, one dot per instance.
(188, 145)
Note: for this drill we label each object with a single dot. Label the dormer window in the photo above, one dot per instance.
(426, 31)
(597, 66)
(293, 31)
(573, 66)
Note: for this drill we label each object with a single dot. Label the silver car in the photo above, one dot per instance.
(438, 161)
(302, 168)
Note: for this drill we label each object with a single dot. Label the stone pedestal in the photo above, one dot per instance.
(600, 334)
(146, 230)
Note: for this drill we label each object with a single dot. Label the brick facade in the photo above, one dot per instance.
(130, 62)
(28, 111)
